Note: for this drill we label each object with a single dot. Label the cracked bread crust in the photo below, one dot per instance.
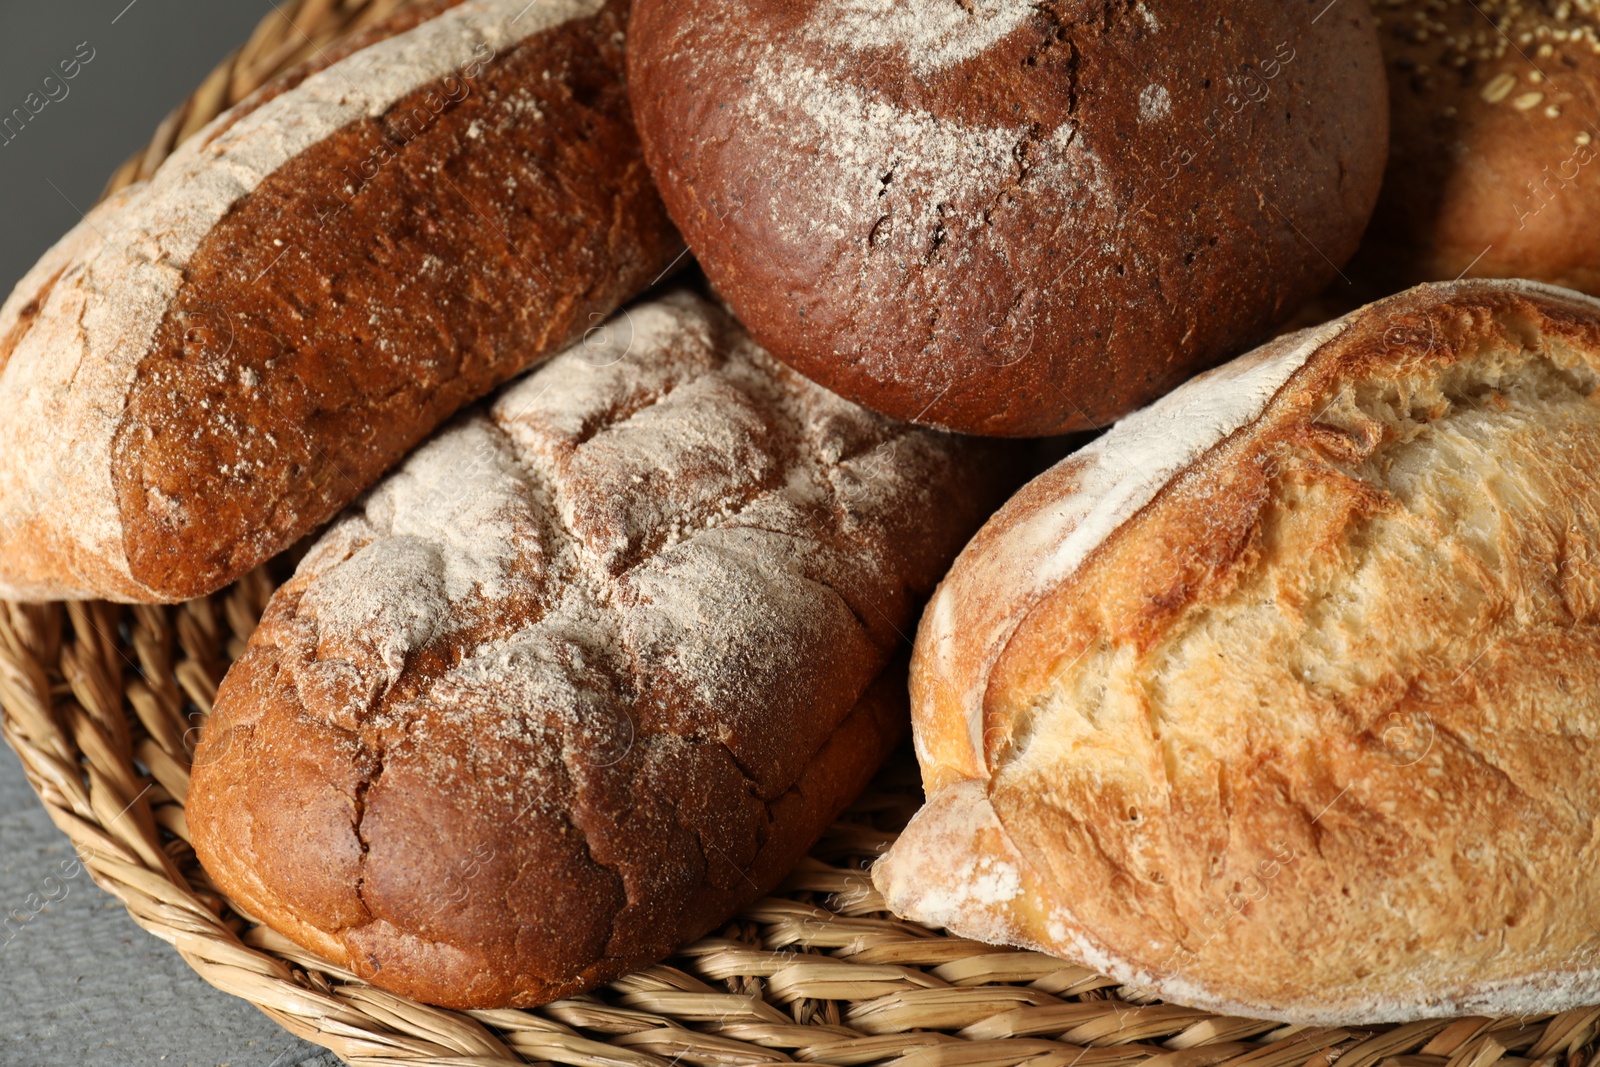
(1011, 218)
(1279, 699)
(591, 669)
(216, 361)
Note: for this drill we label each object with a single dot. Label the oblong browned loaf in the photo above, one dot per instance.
(1282, 699)
(1496, 144)
(216, 361)
(587, 672)
(1007, 217)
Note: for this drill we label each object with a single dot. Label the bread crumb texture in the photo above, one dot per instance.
(588, 671)
(1309, 731)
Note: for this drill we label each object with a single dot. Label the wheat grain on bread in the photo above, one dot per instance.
(1279, 699)
(216, 361)
(1494, 130)
(587, 672)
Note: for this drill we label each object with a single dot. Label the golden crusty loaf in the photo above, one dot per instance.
(587, 672)
(1494, 143)
(214, 362)
(1283, 698)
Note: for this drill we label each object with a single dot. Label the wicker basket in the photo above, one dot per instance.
(102, 702)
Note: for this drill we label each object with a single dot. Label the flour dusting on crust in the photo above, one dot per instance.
(656, 512)
(932, 34)
(945, 172)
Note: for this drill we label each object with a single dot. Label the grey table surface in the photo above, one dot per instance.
(80, 984)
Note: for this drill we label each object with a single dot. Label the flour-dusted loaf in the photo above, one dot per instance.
(1495, 137)
(587, 672)
(1011, 217)
(1282, 699)
(214, 362)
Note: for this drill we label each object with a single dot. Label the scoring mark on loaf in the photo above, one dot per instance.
(1113, 478)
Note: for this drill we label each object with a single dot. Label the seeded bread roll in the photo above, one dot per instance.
(589, 671)
(1495, 129)
(1004, 217)
(213, 363)
(1282, 699)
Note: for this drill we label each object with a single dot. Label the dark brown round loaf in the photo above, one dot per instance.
(1011, 218)
(1495, 117)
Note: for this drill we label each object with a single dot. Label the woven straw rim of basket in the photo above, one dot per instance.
(102, 703)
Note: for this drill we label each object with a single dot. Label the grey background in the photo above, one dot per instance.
(80, 984)
(145, 63)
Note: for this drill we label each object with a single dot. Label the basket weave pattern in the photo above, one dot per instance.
(103, 704)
